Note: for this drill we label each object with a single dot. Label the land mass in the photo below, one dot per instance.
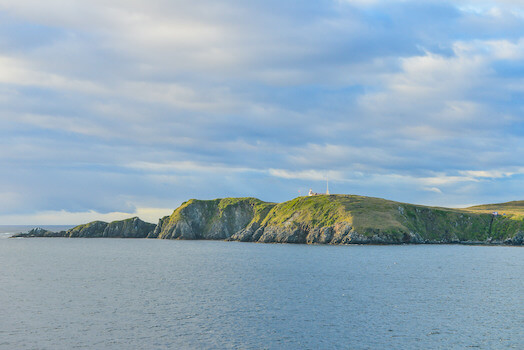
(323, 219)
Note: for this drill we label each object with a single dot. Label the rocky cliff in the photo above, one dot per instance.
(129, 228)
(211, 219)
(324, 219)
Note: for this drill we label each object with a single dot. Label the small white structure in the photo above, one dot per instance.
(311, 193)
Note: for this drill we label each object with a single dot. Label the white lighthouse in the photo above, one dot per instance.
(311, 193)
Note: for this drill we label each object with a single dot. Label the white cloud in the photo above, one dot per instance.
(236, 96)
(19, 71)
(433, 189)
(187, 166)
(313, 175)
(443, 179)
(66, 123)
(491, 174)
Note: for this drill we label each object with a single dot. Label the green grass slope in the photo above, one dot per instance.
(375, 216)
(513, 210)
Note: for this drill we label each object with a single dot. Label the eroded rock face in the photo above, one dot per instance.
(162, 222)
(289, 234)
(340, 233)
(248, 234)
(518, 239)
(208, 220)
(130, 228)
(91, 230)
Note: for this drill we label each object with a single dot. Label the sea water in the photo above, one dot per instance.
(60, 293)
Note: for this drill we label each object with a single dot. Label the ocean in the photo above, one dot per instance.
(59, 293)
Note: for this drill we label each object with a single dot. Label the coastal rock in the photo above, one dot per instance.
(40, 232)
(518, 239)
(90, 230)
(288, 234)
(248, 234)
(129, 228)
(158, 228)
(214, 219)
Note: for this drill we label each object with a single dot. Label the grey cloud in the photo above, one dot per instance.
(363, 89)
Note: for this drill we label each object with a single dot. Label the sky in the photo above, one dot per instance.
(111, 109)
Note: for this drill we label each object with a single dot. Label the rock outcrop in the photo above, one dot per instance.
(40, 232)
(129, 228)
(212, 219)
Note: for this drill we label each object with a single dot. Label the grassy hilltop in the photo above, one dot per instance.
(513, 210)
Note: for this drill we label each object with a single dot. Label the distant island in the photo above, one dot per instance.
(319, 219)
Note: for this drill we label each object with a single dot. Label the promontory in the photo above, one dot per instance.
(322, 219)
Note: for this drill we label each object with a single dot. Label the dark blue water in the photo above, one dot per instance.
(60, 293)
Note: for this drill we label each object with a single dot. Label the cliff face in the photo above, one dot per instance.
(325, 219)
(212, 219)
(129, 228)
(92, 229)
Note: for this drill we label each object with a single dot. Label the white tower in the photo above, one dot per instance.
(327, 186)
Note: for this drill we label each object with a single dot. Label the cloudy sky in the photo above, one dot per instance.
(115, 108)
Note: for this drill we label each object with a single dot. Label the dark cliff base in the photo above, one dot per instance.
(325, 219)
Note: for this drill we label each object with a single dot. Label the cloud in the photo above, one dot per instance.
(187, 167)
(493, 174)
(433, 189)
(17, 71)
(306, 174)
(66, 123)
(109, 107)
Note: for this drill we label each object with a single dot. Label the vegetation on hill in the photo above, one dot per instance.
(513, 210)
(330, 219)
(212, 219)
(350, 218)
(375, 216)
(128, 228)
